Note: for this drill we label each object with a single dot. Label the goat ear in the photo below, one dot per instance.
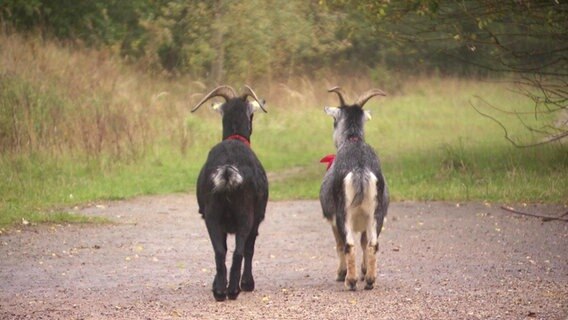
(217, 107)
(255, 106)
(332, 111)
(367, 114)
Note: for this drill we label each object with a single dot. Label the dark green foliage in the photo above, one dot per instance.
(225, 39)
(102, 22)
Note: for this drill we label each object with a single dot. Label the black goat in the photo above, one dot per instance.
(232, 191)
(354, 195)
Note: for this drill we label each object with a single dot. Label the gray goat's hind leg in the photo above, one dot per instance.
(351, 277)
(340, 248)
(371, 275)
(371, 251)
(364, 249)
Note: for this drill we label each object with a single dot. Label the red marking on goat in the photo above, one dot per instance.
(328, 159)
(240, 138)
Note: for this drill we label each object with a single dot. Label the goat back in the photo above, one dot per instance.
(232, 172)
(359, 161)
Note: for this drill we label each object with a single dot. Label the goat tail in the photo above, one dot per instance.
(227, 177)
(360, 186)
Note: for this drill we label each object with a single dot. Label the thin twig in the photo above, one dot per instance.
(544, 218)
(506, 111)
(513, 142)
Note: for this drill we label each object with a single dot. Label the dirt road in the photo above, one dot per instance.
(436, 261)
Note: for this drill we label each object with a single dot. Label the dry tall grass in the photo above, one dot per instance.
(58, 100)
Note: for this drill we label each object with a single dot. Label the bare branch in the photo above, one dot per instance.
(513, 142)
(544, 218)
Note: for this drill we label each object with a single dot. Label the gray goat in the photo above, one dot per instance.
(354, 195)
(232, 191)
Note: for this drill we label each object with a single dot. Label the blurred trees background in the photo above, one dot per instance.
(234, 41)
(220, 39)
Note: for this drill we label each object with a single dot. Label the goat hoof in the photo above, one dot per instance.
(233, 295)
(219, 296)
(370, 283)
(351, 284)
(341, 276)
(219, 289)
(247, 285)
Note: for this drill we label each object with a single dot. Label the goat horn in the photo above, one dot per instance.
(221, 91)
(368, 95)
(339, 94)
(248, 92)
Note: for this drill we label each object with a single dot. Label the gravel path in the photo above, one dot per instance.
(436, 261)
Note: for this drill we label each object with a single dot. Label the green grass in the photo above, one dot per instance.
(70, 138)
(433, 146)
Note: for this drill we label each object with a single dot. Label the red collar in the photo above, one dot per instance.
(240, 138)
(328, 159)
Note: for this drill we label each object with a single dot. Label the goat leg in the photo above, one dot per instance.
(247, 281)
(350, 257)
(351, 277)
(340, 248)
(365, 255)
(370, 251)
(235, 275)
(219, 241)
(371, 275)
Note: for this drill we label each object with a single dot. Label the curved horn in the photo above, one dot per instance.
(339, 94)
(368, 95)
(221, 91)
(248, 92)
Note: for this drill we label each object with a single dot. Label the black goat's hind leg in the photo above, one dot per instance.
(247, 281)
(219, 241)
(235, 274)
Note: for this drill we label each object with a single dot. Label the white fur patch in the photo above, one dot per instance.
(361, 217)
(332, 111)
(254, 105)
(226, 177)
(217, 107)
